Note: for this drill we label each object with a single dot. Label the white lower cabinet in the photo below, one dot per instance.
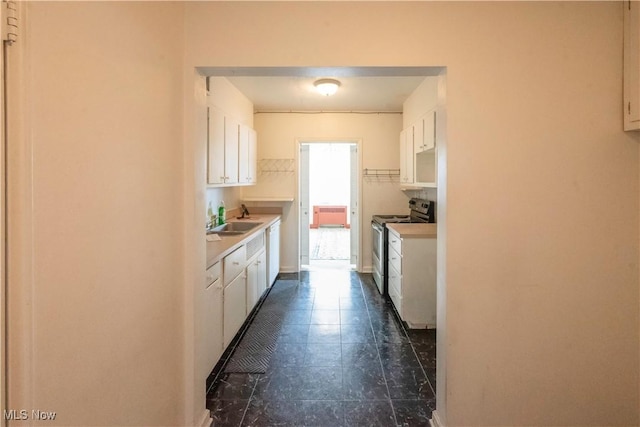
(234, 264)
(252, 285)
(273, 249)
(235, 309)
(233, 287)
(412, 279)
(262, 273)
(213, 342)
(256, 280)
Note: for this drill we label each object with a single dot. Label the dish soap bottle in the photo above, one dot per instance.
(212, 217)
(222, 215)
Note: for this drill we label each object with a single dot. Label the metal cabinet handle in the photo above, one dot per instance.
(235, 263)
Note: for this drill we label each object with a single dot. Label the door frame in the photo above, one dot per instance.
(326, 140)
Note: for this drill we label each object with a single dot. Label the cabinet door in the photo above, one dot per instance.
(273, 248)
(262, 273)
(213, 321)
(631, 73)
(243, 155)
(429, 131)
(253, 157)
(395, 289)
(231, 147)
(234, 264)
(424, 133)
(406, 155)
(235, 307)
(252, 285)
(418, 136)
(215, 147)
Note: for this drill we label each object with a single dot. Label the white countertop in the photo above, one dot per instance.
(419, 230)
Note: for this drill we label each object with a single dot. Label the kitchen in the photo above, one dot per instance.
(107, 225)
(380, 136)
(277, 136)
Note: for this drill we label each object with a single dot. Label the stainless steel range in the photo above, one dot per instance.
(422, 210)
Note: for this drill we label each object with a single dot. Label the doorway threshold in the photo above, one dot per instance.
(325, 264)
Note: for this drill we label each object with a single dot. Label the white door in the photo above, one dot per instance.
(304, 204)
(354, 208)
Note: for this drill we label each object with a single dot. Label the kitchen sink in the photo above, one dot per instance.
(234, 228)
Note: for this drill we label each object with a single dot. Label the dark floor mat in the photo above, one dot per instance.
(254, 351)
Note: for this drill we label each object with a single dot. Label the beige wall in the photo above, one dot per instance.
(103, 85)
(278, 138)
(542, 202)
(542, 218)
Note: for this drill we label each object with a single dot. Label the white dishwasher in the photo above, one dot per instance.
(273, 252)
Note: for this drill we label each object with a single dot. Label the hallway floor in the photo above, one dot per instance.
(342, 359)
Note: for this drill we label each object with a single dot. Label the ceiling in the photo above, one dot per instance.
(381, 89)
(296, 93)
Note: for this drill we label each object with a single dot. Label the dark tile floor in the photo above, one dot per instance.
(342, 359)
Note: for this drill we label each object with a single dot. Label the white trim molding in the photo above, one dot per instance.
(205, 420)
(435, 420)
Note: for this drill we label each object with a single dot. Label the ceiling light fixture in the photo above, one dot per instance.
(327, 87)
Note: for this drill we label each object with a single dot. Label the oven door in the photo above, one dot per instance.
(377, 238)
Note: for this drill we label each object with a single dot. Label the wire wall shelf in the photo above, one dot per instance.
(266, 166)
(381, 173)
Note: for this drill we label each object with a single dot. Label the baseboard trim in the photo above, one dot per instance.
(205, 420)
(435, 420)
(288, 269)
(368, 269)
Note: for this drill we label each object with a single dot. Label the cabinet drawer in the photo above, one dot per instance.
(395, 280)
(234, 264)
(395, 260)
(213, 273)
(395, 290)
(395, 241)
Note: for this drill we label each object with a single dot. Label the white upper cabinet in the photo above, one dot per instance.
(631, 65)
(406, 156)
(231, 147)
(418, 159)
(247, 160)
(426, 171)
(231, 151)
(215, 147)
(425, 133)
(222, 148)
(253, 156)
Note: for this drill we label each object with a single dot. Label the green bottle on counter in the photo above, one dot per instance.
(222, 215)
